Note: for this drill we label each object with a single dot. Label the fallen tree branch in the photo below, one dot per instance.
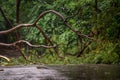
(15, 44)
(4, 57)
(47, 39)
(34, 24)
(35, 46)
(38, 18)
(26, 42)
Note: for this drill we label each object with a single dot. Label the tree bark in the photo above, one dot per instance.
(17, 10)
(5, 17)
(18, 17)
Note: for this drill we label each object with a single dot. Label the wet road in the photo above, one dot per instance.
(61, 72)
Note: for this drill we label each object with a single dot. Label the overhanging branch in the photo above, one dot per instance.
(15, 28)
(40, 16)
(33, 25)
(64, 20)
(26, 42)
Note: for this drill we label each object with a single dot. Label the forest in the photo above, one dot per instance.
(59, 32)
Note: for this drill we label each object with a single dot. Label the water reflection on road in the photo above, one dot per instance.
(61, 72)
(91, 72)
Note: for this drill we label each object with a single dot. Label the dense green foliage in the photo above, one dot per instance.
(100, 17)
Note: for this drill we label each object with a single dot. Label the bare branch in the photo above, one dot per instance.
(26, 42)
(41, 15)
(64, 20)
(38, 27)
(47, 39)
(49, 11)
(5, 17)
(15, 44)
(36, 46)
(14, 28)
(4, 57)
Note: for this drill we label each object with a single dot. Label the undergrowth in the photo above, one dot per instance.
(96, 53)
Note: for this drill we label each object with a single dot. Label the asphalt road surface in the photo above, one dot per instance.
(60, 72)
